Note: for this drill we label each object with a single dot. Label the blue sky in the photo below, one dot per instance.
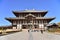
(7, 6)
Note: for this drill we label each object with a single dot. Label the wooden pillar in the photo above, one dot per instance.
(40, 15)
(42, 25)
(32, 24)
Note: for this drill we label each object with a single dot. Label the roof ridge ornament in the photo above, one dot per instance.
(26, 9)
(33, 9)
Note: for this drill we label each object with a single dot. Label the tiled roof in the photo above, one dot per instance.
(45, 17)
(36, 18)
(31, 11)
(6, 26)
(51, 24)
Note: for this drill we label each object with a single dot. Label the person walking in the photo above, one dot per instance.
(41, 31)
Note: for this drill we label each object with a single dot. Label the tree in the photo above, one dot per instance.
(58, 24)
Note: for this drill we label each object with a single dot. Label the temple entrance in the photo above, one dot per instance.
(30, 26)
(36, 27)
(26, 26)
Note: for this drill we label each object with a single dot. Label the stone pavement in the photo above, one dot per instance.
(30, 36)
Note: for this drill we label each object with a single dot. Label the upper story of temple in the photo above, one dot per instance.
(36, 13)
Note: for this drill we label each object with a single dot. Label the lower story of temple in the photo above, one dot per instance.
(30, 26)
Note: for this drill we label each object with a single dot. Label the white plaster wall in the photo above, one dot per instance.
(19, 26)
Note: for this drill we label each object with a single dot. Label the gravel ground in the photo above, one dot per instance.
(30, 36)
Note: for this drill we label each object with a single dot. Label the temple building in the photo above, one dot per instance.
(29, 19)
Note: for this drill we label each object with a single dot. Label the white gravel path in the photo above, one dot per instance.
(35, 35)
